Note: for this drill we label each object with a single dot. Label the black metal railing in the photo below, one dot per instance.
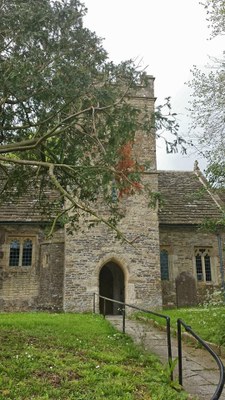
(123, 311)
(180, 323)
(188, 329)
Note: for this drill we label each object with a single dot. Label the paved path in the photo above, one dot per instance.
(200, 370)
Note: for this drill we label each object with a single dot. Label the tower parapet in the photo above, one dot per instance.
(145, 89)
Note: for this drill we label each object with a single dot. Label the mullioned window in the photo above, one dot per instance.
(20, 252)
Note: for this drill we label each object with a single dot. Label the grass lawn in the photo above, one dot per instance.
(207, 322)
(74, 356)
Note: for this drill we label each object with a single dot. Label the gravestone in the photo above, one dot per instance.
(186, 291)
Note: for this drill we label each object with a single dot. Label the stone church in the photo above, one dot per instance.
(172, 262)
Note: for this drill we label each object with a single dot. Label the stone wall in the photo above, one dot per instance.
(180, 242)
(87, 251)
(24, 288)
(65, 272)
(52, 272)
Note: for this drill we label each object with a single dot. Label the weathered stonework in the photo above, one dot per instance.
(52, 272)
(180, 241)
(89, 251)
(67, 270)
(38, 286)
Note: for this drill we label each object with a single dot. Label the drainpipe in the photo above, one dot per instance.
(221, 261)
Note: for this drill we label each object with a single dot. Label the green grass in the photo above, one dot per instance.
(74, 356)
(207, 322)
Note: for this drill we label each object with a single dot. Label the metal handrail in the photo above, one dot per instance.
(188, 329)
(180, 323)
(124, 305)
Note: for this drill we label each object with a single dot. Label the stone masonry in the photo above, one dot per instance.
(87, 252)
(65, 271)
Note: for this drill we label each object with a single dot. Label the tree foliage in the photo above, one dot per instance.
(215, 10)
(208, 115)
(128, 168)
(207, 102)
(64, 114)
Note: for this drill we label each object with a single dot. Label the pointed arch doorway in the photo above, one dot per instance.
(111, 284)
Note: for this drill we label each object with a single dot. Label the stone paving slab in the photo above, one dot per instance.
(200, 370)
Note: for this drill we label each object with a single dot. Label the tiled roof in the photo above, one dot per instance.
(186, 199)
(27, 208)
(221, 194)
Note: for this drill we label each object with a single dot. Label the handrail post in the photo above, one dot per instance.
(93, 303)
(220, 385)
(124, 317)
(179, 351)
(169, 345)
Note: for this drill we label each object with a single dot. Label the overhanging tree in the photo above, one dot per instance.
(63, 108)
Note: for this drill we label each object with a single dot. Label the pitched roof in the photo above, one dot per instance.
(221, 194)
(186, 199)
(27, 208)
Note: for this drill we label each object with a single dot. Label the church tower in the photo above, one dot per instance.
(97, 262)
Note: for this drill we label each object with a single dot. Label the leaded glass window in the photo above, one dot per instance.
(14, 254)
(164, 265)
(199, 272)
(203, 265)
(20, 252)
(208, 275)
(27, 253)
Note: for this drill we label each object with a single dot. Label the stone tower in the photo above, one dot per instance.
(97, 262)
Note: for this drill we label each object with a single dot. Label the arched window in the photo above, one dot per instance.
(164, 265)
(203, 265)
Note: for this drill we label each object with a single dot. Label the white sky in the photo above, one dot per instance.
(169, 37)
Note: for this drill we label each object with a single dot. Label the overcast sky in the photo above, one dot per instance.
(168, 37)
